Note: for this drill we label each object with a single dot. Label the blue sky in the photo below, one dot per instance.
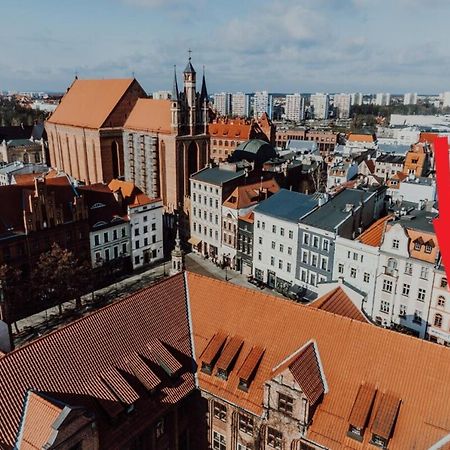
(282, 46)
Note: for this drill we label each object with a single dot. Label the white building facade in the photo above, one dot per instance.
(439, 317)
(410, 98)
(320, 104)
(240, 104)
(146, 230)
(295, 107)
(342, 104)
(222, 103)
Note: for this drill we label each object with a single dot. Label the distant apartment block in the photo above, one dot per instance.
(383, 99)
(320, 104)
(410, 98)
(222, 103)
(262, 103)
(240, 104)
(342, 105)
(161, 95)
(295, 107)
(356, 98)
(446, 99)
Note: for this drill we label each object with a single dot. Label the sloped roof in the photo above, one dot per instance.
(338, 302)
(238, 129)
(249, 217)
(373, 236)
(304, 365)
(132, 195)
(39, 416)
(88, 103)
(351, 352)
(369, 138)
(250, 194)
(102, 357)
(150, 115)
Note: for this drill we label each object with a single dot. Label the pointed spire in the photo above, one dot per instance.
(189, 67)
(204, 91)
(175, 91)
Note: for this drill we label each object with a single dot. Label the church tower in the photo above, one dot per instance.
(190, 95)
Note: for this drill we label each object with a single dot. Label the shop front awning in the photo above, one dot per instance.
(194, 241)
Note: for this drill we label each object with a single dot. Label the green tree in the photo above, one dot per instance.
(11, 285)
(58, 277)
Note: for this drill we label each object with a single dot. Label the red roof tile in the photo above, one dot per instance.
(87, 361)
(150, 115)
(359, 415)
(373, 236)
(338, 302)
(88, 103)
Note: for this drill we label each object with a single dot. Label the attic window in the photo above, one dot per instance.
(384, 422)
(359, 415)
(211, 353)
(228, 357)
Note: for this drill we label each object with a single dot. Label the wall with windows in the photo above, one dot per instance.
(146, 228)
(274, 251)
(404, 283)
(439, 317)
(357, 263)
(109, 243)
(206, 220)
(315, 257)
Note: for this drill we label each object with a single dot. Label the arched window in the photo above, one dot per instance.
(220, 143)
(391, 265)
(441, 301)
(438, 320)
(116, 160)
(444, 282)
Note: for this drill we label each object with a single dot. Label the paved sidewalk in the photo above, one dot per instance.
(50, 319)
(196, 263)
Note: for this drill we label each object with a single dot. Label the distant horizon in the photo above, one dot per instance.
(299, 45)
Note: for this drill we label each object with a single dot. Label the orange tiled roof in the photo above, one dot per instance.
(150, 115)
(337, 302)
(104, 357)
(239, 129)
(351, 353)
(132, 195)
(88, 103)
(39, 416)
(360, 137)
(249, 217)
(250, 194)
(374, 234)
(428, 137)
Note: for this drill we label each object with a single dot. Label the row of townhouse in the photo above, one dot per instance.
(396, 263)
(219, 197)
(294, 235)
(125, 225)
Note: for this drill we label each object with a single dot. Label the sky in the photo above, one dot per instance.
(370, 46)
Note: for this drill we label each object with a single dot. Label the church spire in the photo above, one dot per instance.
(175, 91)
(204, 91)
(189, 67)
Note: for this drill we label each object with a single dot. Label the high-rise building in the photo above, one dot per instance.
(342, 104)
(222, 103)
(262, 103)
(295, 107)
(383, 99)
(356, 98)
(446, 99)
(240, 104)
(320, 104)
(410, 98)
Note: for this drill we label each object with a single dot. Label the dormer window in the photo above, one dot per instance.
(378, 441)
(417, 246)
(206, 368)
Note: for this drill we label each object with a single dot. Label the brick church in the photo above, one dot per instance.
(105, 129)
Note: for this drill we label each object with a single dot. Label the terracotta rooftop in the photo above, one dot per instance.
(39, 416)
(104, 362)
(338, 302)
(249, 217)
(88, 103)
(360, 138)
(238, 129)
(132, 195)
(150, 115)
(351, 353)
(373, 236)
(248, 195)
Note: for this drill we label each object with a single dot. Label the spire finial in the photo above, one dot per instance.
(190, 54)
